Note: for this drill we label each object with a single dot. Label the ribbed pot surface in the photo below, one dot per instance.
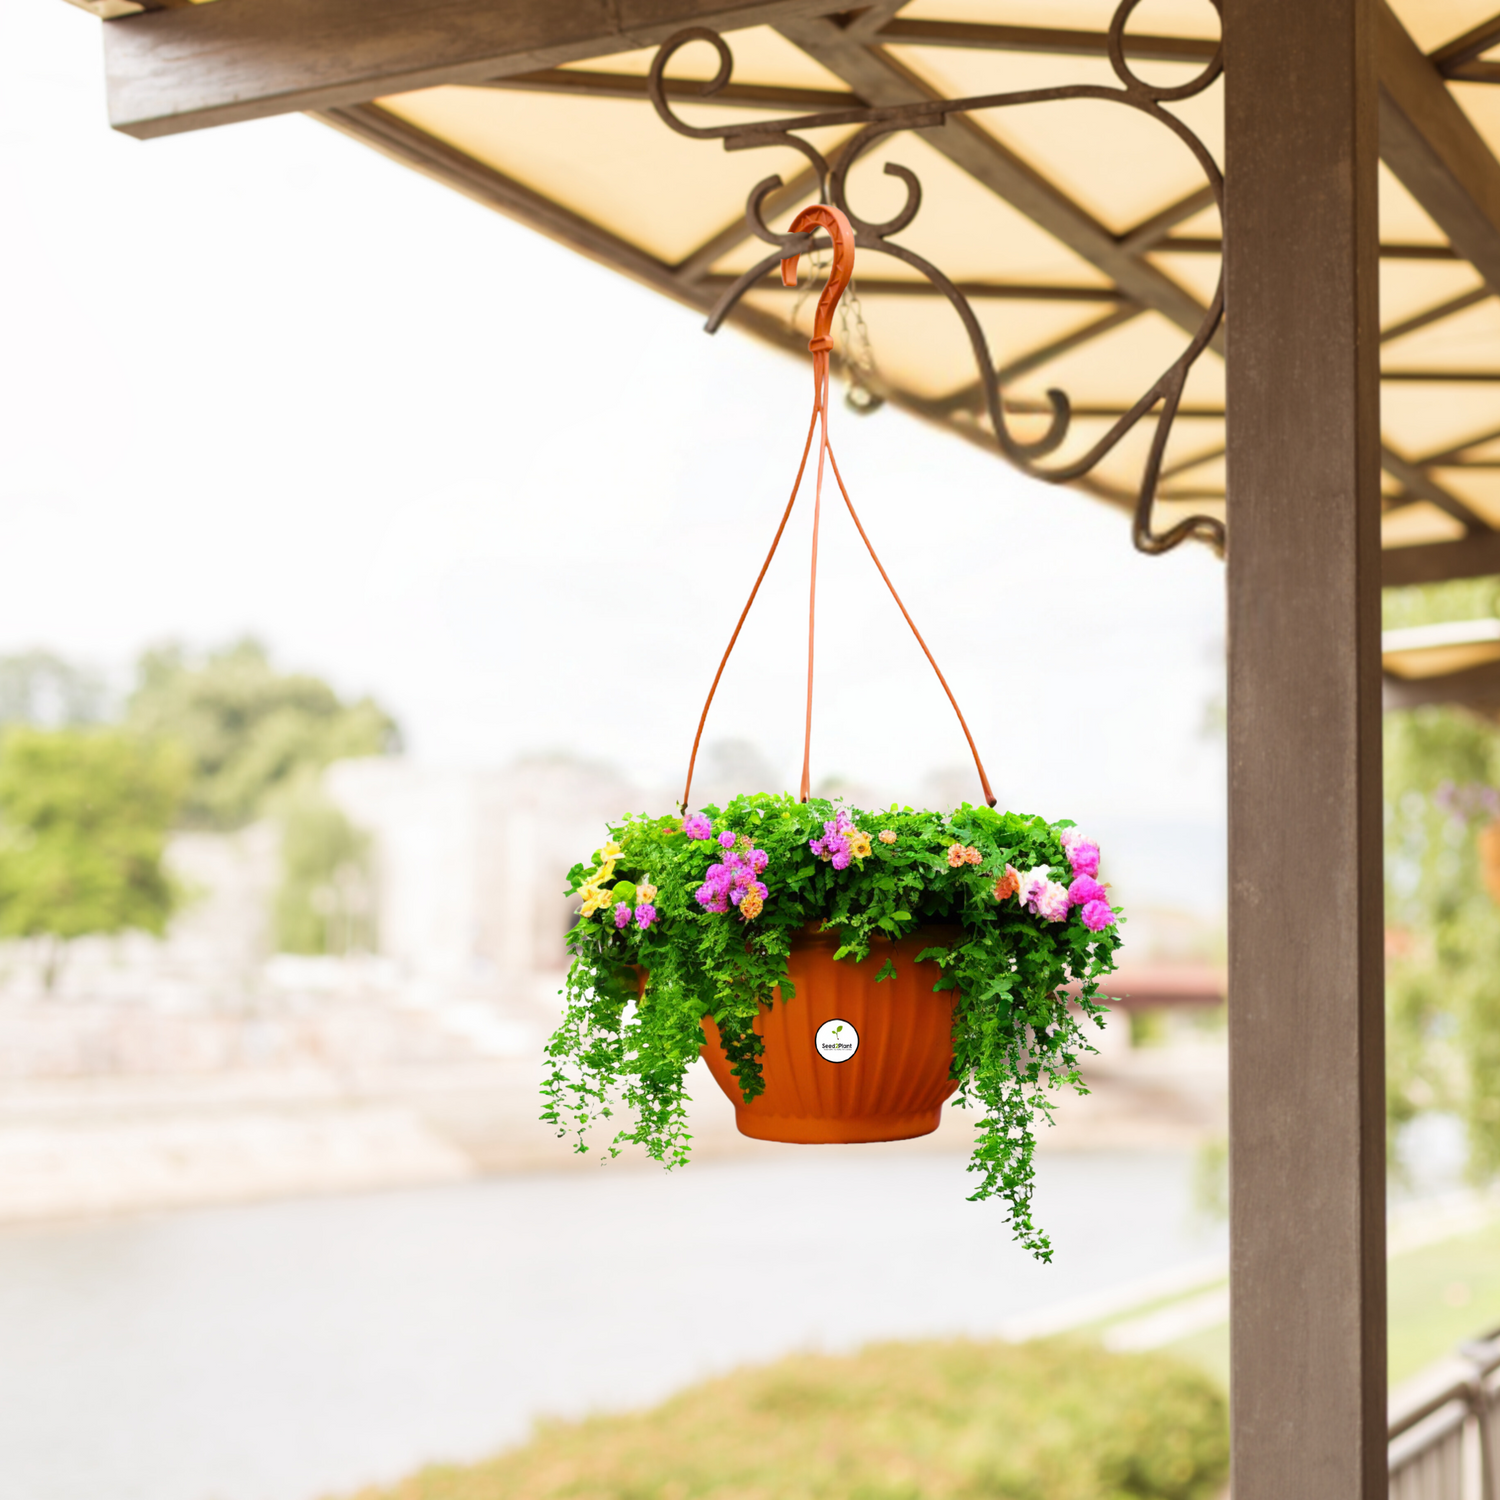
(893, 1085)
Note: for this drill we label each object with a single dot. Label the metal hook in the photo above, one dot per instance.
(842, 234)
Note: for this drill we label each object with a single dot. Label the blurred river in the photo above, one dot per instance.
(284, 1351)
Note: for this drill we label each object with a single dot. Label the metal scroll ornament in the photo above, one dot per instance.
(833, 179)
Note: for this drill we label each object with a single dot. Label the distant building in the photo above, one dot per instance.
(471, 864)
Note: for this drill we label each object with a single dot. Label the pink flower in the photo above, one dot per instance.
(758, 860)
(726, 840)
(1052, 902)
(645, 915)
(697, 826)
(1083, 854)
(1085, 889)
(1097, 916)
(622, 915)
(1033, 883)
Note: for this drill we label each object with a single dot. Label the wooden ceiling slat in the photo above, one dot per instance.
(975, 291)
(634, 86)
(1435, 314)
(1450, 58)
(1420, 483)
(969, 34)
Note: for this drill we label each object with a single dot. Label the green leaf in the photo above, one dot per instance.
(887, 971)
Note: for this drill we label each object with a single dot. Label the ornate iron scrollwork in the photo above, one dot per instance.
(1134, 93)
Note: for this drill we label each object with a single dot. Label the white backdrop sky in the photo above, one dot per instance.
(260, 380)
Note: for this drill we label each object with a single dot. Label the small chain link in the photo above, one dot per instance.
(857, 355)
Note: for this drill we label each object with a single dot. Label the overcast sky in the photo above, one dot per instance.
(261, 380)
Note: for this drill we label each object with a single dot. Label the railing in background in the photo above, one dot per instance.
(1444, 1447)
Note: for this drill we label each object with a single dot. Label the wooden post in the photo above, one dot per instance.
(1307, 1200)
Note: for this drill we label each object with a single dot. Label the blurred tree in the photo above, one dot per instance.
(1442, 795)
(84, 815)
(38, 687)
(248, 729)
(325, 902)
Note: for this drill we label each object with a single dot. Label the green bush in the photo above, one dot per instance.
(1055, 1420)
(84, 815)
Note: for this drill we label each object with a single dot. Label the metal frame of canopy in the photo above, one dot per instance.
(1317, 93)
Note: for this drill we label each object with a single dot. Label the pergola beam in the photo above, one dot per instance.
(199, 65)
(1437, 562)
(1475, 687)
(1430, 144)
(1306, 1019)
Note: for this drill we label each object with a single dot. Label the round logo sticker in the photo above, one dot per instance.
(838, 1041)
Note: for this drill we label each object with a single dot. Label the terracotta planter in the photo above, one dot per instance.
(896, 1048)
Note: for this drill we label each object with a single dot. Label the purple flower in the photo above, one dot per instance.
(697, 826)
(622, 915)
(1085, 889)
(841, 856)
(715, 873)
(726, 840)
(645, 915)
(737, 894)
(1097, 916)
(758, 860)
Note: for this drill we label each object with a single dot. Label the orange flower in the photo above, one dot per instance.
(751, 904)
(1008, 884)
(955, 856)
(972, 856)
(887, 836)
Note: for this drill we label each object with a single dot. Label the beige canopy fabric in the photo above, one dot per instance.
(1083, 233)
(583, 141)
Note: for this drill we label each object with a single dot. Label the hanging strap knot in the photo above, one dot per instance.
(841, 234)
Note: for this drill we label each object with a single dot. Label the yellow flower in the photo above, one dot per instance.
(859, 843)
(646, 891)
(606, 873)
(594, 896)
(610, 851)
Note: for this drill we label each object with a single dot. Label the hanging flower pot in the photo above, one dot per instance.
(851, 1059)
(843, 972)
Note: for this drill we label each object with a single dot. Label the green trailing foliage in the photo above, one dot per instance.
(1016, 1035)
(951, 1420)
